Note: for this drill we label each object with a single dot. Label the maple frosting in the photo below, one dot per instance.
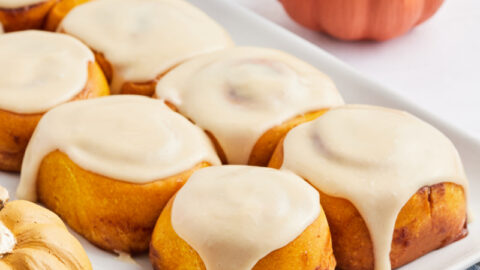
(130, 138)
(40, 70)
(376, 158)
(233, 216)
(142, 39)
(240, 93)
(19, 3)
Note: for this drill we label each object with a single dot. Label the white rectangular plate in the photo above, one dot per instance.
(249, 29)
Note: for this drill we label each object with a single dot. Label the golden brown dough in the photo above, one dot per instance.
(29, 17)
(59, 11)
(113, 214)
(263, 149)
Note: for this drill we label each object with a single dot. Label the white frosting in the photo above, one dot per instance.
(18, 3)
(377, 159)
(233, 216)
(142, 39)
(7, 240)
(129, 138)
(40, 70)
(240, 93)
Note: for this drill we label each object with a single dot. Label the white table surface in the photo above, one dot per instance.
(437, 65)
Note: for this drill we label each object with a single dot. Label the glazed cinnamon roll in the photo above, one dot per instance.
(108, 166)
(248, 98)
(242, 218)
(35, 78)
(16, 15)
(392, 186)
(137, 41)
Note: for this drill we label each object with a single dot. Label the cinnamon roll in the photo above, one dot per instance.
(108, 166)
(137, 41)
(39, 71)
(242, 218)
(392, 186)
(248, 98)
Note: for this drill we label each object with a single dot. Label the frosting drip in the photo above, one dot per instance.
(376, 158)
(19, 3)
(130, 138)
(240, 93)
(142, 39)
(222, 212)
(40, 70)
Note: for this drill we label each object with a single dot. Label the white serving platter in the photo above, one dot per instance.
(251, 30)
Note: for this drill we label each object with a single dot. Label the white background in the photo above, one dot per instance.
(437, 65)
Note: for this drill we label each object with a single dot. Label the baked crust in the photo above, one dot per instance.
(28, 17)
(310, 251)
(113, 214)
(59, 11)
(434, 216)
(16, 129)
(265, 146)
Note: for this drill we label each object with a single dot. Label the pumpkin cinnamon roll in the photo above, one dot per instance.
(16, 15)
(38, 71)
(240, 218)
(137, 41)
(32, 238)
(248, 98)
(108, 166)
(393, 187)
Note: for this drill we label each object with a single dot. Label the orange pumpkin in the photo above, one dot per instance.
(361, 19)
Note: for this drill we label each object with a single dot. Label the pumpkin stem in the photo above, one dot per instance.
(3, 197)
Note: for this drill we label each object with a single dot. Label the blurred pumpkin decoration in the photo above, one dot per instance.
(32, 238)
(361, 19)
